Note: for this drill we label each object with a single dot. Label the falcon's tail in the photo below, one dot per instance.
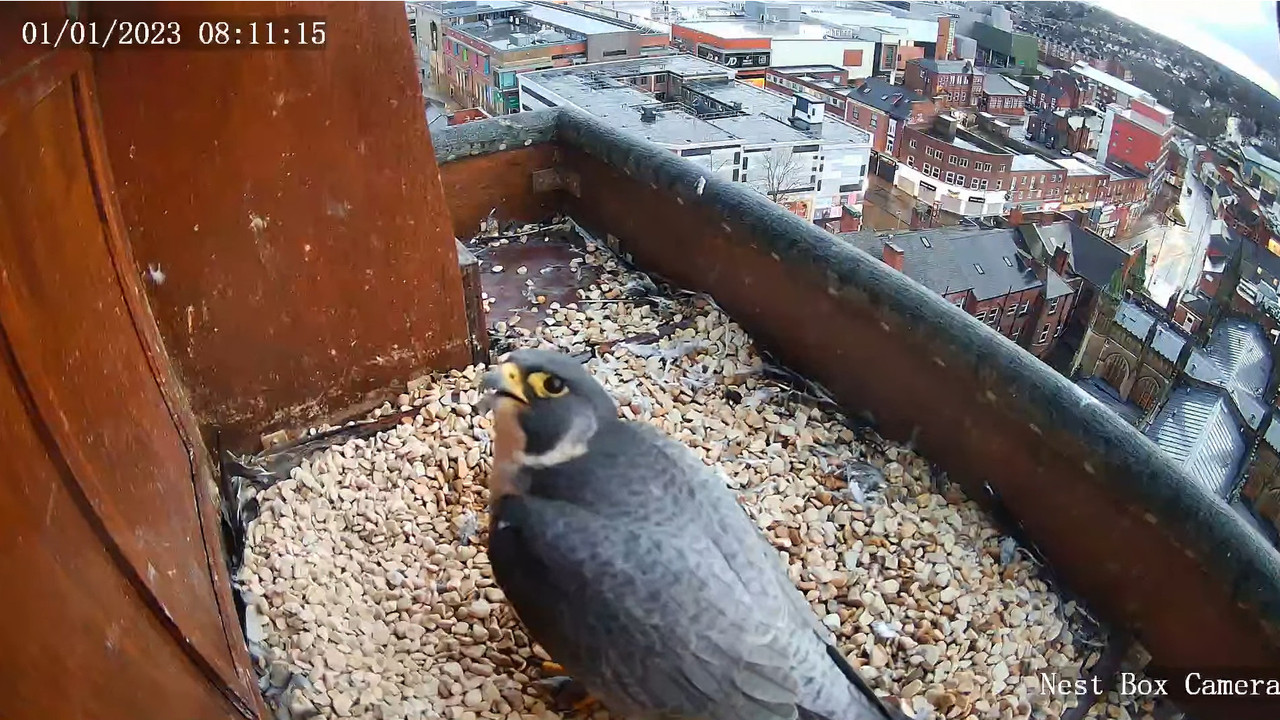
(887, 710)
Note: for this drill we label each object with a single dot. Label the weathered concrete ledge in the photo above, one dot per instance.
(505, 132)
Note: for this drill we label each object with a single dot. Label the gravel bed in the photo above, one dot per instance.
(369, 593)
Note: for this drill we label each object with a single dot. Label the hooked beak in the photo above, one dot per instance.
(506, 380)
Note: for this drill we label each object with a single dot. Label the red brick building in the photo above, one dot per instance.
(989, 274)
(1002, 96)
(1036, 183)
(1061, 91)
(953, 83)
(872, 104)
(953, 162)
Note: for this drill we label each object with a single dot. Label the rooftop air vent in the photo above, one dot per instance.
(648, 115)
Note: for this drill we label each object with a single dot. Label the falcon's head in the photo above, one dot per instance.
(546, 407)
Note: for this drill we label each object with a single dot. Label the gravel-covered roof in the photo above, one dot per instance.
(370, 593)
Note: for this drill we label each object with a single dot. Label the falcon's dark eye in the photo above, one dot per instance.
(546, 385)
(553, 385)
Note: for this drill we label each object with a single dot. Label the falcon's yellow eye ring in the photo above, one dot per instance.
(546, 385)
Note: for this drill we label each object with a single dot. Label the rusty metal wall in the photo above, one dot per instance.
(1119, 524)
(115, 588)
(286, 213)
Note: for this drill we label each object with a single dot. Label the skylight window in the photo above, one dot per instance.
(978, 267)
(925, 241)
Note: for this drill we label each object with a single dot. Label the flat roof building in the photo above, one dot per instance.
(483, 51)
(785, 147)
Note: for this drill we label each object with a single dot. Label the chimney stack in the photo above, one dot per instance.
(1059, 261)
(945, 125)
(892, 255)
(1015, 217)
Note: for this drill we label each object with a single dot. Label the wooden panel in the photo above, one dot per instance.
(76, 345)
(109, 577)
(291, 201)
(80, 641)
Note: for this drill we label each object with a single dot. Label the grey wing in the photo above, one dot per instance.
(737, 537)
(823, 686)
(657, 622)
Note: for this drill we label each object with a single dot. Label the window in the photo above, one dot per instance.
(936, 171)
(973, 183)
(994, 317)
(982, 316)
(1016, 333)
(978, 267)
(1057, 331)
(959, 179)
(1009, 263)
(952, 160)
(982, 185)
(911, 161)
(999, 184)
(1053, 306)
(855, 117)
(873, 122)
(964, 162)
(928, 169)
(1026, 307)
(912, 144)
(951, 178)
(1044, 336)
(925, 241)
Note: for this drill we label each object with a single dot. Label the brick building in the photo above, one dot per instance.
(1138, 136)
(1002, 96)
(1061, 91)
(872, 104)
(1035, 183)
(953, 83)
(1076, 130)
(988, 274)
(481, 59)
(954, 170)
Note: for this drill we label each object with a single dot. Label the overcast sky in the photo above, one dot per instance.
(1240, 34)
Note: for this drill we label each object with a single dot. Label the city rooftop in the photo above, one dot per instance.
(601, 89)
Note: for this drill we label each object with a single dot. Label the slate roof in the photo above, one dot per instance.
(1197, 430)
(985, 261)
(949, 67)
(1237, 359)
(895, 100)
(997, 84)
(1090, 255)
(1168, 341)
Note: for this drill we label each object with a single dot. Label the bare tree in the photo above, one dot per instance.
(783, 172)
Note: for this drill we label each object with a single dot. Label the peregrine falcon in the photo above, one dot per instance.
(632, 564)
